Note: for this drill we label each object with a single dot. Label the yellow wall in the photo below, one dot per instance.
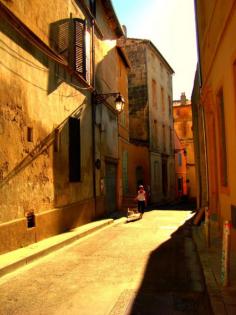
(217, 57)
(183, 128)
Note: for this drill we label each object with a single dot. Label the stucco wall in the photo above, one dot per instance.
(36, 93)
(218, 68)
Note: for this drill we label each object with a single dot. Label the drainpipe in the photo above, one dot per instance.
(201, 108)
(93, 110)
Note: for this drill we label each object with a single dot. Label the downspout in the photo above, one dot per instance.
(93, 111)
(201, 108)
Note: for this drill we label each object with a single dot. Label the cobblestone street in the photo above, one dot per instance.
(149, 266)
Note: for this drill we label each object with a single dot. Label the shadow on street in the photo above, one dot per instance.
(173, 281)
(178, 205)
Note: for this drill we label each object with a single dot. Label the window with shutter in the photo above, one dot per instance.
(74, 45)
(79, 46)
(74, 150)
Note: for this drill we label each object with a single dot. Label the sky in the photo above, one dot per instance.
(170, 25)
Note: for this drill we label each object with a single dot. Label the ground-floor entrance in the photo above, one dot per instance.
(110, 183)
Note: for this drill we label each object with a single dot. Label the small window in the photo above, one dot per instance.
(179, 159)
(30, 218)
(154, 93)
(29, 134)
(180, 184)
(74, 150)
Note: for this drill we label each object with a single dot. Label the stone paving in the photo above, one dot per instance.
(149, 266)
(223, 300)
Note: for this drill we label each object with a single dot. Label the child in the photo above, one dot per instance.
(142, 200)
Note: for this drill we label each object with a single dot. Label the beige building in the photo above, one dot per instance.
(182, 112)
(59, 144)
(151, 120)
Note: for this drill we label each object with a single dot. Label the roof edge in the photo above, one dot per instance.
(109, 6)
(148, 41)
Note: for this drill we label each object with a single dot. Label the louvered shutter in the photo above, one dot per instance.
(63, 39)
(79, 61)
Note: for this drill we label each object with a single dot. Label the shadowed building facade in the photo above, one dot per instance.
(59, 146)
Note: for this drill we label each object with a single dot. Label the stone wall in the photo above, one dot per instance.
(138, 92)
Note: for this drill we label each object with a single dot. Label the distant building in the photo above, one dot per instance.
(182, 112)
(180, 168)
(151, 159)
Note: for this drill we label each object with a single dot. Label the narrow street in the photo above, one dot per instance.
(149, 266)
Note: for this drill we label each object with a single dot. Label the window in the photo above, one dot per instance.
(156, 177)
(74, 150)
(73, 43)
(162, 99)
(170, 106)
(164, 137)
(170, 139)
(155, 134)
(180, 184)
(154, 93)
(222, 139)
(179, 159)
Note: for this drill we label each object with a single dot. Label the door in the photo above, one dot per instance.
(164, 177)
(110, 182)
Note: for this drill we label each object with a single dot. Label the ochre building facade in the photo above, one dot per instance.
(182, 112)
(214, 98)
(59, 145)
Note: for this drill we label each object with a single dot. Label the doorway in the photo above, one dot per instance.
(110, 182)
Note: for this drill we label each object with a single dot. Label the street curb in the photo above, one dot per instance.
(213, 290)
(11, 261)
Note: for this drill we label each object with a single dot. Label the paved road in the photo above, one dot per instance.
(144, 267)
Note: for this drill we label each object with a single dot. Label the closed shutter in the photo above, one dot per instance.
(73, 43)
(63, 39)
(79, 61)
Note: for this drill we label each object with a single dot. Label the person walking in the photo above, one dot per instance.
(142, 200)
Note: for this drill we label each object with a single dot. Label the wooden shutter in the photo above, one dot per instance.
(79, 61)
(63, 39)
(74, 150)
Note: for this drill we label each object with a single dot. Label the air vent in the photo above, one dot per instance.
(30, 217)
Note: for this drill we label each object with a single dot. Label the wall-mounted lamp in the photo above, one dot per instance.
(119, 100)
